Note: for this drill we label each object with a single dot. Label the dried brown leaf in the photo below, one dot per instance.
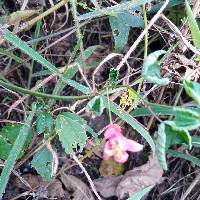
(55, 190)
(140, 178)
(132, 181)
(80, 190)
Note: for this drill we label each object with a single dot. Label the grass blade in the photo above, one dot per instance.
(15, 151)
(16, 41)
(194, 28)
(187, 157)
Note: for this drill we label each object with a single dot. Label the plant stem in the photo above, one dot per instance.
(44, 14)
(42, 95)
(146, 35)
(109, 111)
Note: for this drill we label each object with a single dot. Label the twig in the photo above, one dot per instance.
(44, 14)
(196, 180)
(55, 161)
(88, 177)
(107, 58)
(173, 26)
(135, 44)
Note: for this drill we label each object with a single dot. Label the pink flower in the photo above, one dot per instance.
(117, 144)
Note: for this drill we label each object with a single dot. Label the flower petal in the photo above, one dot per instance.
(112, 130)
(133, 146)
(122, 158)
(108, 151)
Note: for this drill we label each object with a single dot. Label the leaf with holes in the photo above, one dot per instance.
(120, 25)
(192, 89)
(71, 131)
(151, 69)
(42, 162)
(169, 134)
(8, 135)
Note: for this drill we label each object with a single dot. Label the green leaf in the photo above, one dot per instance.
(42, 162)
(95, 105)
(16, 41)
(120, 25)
(161, 146)
(15, 151)
(159, 109)
(130, 120)
(192, 89)
(44, 122)
(186, 119)
(113, 77)
(194, 28)
(125, 6)
(140, 194)
(196, 141)
(151, 69)
(71, 131)
(157, 6)
(18, 16)
(8, 135)
(169, 134)
(187, 157)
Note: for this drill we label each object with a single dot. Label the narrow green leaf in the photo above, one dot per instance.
(130, 120)
(8, 135)
(42, 162)
(194, 28)
(187, 157)
(159, 109)
(192, 89)
(140, 194)
(151, 69)
(196, 141)
(186, 119)
(16, 41)
(15, 151)
(157, 6)
(129, 5)
(160, 146)
(169, 134)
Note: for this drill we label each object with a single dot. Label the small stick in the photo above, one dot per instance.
(135, 44)
(88, 177)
